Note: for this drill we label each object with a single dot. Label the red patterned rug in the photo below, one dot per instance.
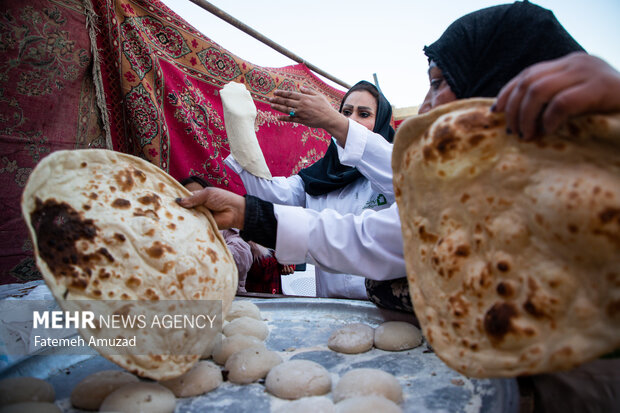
(169, 75)
(47, 103)
(158, 79)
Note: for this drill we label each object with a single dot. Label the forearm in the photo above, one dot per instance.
(369, 244)
(371, 154)
(279, 190)
(338, 127)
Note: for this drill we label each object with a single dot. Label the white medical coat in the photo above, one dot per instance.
(354, 198)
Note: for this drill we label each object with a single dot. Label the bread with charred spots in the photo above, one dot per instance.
(512, 248)
(106, 230)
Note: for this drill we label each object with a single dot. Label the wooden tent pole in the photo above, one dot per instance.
(247, 29)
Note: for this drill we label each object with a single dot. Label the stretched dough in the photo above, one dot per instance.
(239, 116)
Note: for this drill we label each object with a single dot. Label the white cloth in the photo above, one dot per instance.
(369, 244)
(371, 154)
(354, 198)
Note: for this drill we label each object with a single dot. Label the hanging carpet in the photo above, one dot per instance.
(151, 90)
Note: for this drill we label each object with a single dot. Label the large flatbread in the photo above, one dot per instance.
(512, 248)
(239, 118)
(105, 226)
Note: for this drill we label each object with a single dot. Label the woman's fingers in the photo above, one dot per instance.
(570, 102)
(306, 107)
(285, 101)
(535, 102)
(512, 96)
(545, 95)
(196, 198)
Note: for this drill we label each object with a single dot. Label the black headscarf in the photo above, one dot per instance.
(482, 51)
(328, 174)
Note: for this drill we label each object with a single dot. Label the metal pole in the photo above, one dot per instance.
(376, 79)
(247, 29)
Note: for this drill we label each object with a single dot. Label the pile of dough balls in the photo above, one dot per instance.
(240, 352)
(359, 338)
(241, 349)
(27, 394)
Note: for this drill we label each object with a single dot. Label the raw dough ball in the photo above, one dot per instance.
(89, 393)
(352, 339)
(367, 404)
(251, 364)
(230, 345)
(316, 404)
(140, 397)
(25, 389)
(397, 336)
(209, 350)
(247, 326)
(202, 378)
(364, 382)
(243, 309)
(31, 407)
(298, 378)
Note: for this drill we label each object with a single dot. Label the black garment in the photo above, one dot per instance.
(259, 223)
(193, 178)
(482, 51)
(328, 174)
(390, 294)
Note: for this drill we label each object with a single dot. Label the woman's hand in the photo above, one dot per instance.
(228, 208)
(286, 269)
(545, 95)
(311, 109)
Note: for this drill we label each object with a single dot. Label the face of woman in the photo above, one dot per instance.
(361, 106)
(439, 91)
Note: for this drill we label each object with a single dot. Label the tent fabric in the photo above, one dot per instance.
(168, 76)
(157, 80)
(47, 103)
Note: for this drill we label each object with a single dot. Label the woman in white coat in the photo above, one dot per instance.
(330, 184)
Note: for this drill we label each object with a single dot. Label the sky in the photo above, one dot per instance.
(354, 39)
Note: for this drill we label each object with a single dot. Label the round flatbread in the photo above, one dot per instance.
(105, 226)
(511, 247)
